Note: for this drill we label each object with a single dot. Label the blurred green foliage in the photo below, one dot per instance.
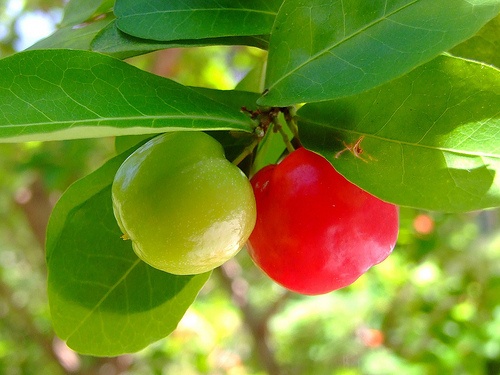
(432, 307)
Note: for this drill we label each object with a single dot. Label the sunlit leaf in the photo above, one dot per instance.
(325, 49)
(103, 300)
(64, 94)
(233, 142)
(194, 19)
(431, 138)
(80, 11)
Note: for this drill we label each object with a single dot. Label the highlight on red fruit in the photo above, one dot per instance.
(316, 231)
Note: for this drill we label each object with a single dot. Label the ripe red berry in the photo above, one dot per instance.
(316, 231)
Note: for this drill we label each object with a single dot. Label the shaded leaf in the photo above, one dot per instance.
(484, 46)
(324, 49)
(254, 79)
(271, 148)
(232, 98)
(233, 141)
(431, 138)
(195, 19)
(272, 145)
(64, 94)
(104, 301)
(116, 43)
(124, 142)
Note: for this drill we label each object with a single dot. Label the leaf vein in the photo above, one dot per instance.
(329, 48)
(106, 295)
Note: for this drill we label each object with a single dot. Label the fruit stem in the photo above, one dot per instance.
(246, 151)
(288, 113)
(278, 127)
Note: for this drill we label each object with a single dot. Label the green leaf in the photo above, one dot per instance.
(431, 138)
(80, 11)
(116, 43)
(325, 49)
(195, 19)
(125, 142)
(233, 142)
(74, 37)
(103, 300)
(231, 98)
(483, 46)
(270, 149)
(254, 79)
(64, 94)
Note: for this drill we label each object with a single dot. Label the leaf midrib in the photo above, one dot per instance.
(104, 297)
(406, 143)
(241, 10)
(328, 49)
(133, 118)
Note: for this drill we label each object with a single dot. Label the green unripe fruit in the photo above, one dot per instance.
(185, 207)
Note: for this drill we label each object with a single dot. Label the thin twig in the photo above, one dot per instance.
(258, 326)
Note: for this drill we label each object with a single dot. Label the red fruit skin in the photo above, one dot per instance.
(317, 232)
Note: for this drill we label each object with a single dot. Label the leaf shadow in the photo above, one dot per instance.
(93, 267)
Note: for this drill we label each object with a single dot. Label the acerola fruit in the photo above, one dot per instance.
(316, 231)
(183, 205)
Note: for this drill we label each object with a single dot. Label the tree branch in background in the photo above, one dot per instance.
(256, 322)
(36, 206)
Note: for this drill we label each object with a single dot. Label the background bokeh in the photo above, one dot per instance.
(433, 307)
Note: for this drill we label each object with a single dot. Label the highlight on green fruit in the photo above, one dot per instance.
(184, 206)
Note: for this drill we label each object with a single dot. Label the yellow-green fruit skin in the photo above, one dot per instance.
(184, 206)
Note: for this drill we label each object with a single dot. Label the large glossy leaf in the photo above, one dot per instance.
(116, 43)
(64, 94)
(233, 142)
(103, 300)
(431, 138)
(325, 49)
(195, 19)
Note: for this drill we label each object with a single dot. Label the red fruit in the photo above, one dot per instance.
(316, 231)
